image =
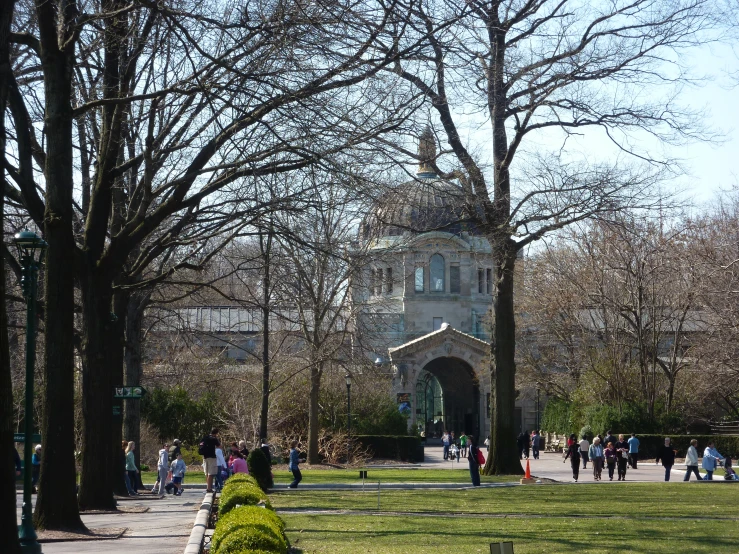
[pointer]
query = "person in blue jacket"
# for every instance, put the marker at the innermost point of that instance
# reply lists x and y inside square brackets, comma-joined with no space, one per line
[711,459]
[293,465]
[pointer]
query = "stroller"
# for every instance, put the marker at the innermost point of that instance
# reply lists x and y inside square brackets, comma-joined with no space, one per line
[729,473]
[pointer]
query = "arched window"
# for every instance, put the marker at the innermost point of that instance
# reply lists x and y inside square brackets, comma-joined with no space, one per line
[419,279]
[436,273]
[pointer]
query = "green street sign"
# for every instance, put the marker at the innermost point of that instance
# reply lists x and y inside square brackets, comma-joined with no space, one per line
[129,393]
[21,437]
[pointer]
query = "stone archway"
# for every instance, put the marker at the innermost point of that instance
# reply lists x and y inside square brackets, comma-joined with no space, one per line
[455,360]
[457,407]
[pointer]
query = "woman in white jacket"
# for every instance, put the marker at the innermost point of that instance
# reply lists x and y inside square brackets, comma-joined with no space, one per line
[691,461]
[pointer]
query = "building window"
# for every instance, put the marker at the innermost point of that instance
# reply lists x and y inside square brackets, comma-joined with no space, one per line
[389,280]
[454,286]
[436,273]
[378,283]
[419,279]
[481,281]
[437,323]
[489,280]
[371,281]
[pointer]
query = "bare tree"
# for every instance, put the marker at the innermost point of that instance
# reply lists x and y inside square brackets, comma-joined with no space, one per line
[525,66]
[176,108]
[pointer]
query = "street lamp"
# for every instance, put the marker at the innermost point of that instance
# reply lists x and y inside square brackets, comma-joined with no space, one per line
[30,248]
[348,378]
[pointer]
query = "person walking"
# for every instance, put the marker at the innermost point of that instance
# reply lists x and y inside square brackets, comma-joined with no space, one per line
[243,450]
[487,444]
[574,454]
[520,439]
[445,444]
[18,465]
[222,474]
[267,452]
[711,459]
[474,458]
[126,478]
[207,449]
[162,471]
[535,444]
[526,444]
[610,454]
[667,454]
[131,468]
[463,445]
[35,466]
[174,450]
[293,465]
[178,469]
[584,446]
[691,461]
[622,457]
[633,451]
[595,453]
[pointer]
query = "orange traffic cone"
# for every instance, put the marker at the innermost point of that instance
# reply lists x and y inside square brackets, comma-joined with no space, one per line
[527,477]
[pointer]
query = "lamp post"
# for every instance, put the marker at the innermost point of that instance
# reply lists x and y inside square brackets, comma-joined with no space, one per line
[348,378]
[30,248]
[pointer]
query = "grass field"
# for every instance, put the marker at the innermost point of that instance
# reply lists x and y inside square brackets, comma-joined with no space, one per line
[635,517]
[342,476]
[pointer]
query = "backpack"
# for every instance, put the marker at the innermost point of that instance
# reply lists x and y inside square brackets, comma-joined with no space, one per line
[202,447]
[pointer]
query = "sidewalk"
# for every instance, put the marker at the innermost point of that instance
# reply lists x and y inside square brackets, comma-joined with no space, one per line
[165,526]
[550,466]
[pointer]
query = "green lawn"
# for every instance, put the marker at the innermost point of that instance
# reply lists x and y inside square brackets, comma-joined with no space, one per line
[629,517]
[342,476]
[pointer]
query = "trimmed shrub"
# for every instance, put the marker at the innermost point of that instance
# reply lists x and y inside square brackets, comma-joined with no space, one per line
[244,494]
[398,447]
[586,432]
[249,528]
[260,469]
[238,478]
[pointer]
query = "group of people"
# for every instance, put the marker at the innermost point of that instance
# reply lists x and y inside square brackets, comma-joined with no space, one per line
[610,452]
[454,448]
[528,443]
[215,465]
[616,454]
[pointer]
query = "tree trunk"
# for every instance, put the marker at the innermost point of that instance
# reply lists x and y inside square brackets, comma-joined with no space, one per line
[96,482]
[56,504]
[266,295]
[118,325]
[313,424]
[504,457]
[8,519]
[132,409]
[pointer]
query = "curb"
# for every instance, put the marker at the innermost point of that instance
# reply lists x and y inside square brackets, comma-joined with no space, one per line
[195,543]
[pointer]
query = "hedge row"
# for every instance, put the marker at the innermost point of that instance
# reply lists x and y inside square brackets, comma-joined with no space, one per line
[397,447]
[246,522]
[648,444]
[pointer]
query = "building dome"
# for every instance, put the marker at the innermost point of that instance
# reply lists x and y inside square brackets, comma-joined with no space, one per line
[424,204]
[419,206]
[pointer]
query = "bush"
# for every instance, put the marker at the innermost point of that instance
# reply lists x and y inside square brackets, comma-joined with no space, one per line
[557,417]
[586,432]
[260,469]
[399,447]
[176,414]
[241,493]
[248,529]
[239,478]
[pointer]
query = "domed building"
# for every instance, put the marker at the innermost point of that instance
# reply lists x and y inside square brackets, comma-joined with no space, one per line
[428,288]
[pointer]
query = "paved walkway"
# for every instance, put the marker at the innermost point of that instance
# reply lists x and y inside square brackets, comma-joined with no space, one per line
[550,466]
[164,528]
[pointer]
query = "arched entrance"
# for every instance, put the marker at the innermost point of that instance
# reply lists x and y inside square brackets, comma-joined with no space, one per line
[448,398]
